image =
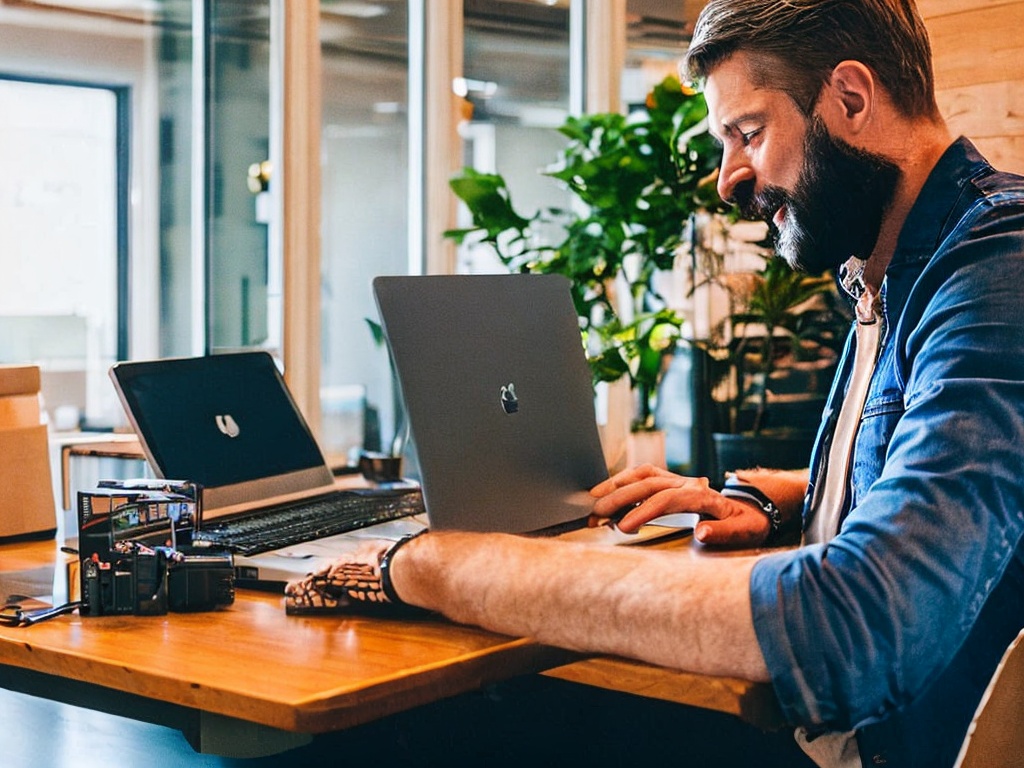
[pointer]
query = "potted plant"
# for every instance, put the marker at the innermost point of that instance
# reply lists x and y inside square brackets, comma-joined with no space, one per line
[769,364]
[638,179]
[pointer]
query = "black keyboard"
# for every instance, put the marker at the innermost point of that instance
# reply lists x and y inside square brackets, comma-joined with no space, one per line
[310,519]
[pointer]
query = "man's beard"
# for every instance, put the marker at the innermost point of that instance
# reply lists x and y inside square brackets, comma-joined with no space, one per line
[836,209]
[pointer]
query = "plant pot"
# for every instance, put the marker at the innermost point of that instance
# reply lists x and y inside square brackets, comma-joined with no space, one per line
[615,408]
[646,446]
[788,450]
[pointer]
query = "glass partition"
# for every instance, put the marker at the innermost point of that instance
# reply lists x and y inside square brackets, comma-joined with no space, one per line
[519,48]
[516,83]
[136,144]
[219,284]
[243,281]
[181,283]
[657,34]
[61,241]
[193,267]
[365,213]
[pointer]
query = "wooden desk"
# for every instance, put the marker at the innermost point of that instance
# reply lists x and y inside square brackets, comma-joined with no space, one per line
[250,680]
[210,673]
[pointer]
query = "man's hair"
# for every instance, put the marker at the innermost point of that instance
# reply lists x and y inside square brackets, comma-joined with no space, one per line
[794,45]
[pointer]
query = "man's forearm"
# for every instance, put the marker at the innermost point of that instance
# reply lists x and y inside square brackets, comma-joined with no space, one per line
[660,607]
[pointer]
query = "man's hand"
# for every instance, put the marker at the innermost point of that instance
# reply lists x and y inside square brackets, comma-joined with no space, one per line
[653,492]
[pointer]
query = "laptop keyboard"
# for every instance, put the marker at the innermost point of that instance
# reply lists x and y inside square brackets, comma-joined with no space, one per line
[311,519]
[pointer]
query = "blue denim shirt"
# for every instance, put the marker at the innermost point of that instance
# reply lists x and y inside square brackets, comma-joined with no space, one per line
[895,626]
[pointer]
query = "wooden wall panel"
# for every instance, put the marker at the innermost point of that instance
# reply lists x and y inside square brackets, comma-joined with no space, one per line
[985,110]
[931,8]
[979,73]
[981,46]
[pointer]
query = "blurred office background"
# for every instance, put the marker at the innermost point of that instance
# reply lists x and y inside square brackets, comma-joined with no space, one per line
[185,177]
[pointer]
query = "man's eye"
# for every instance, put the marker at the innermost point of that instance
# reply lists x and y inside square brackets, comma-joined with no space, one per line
[748,136]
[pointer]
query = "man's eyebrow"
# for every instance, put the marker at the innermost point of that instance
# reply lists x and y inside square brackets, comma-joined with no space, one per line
[731,126]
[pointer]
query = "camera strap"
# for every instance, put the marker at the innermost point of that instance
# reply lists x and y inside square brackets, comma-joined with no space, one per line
[15,615]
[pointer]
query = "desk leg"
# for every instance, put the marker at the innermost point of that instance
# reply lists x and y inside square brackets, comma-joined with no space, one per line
[215,734]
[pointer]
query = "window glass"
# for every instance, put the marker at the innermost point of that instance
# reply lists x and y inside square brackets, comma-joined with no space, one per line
[365,181]
[59,238]
[181,327]
[83,78]
[176,262]
[243,281]
[657,34]
[516,64]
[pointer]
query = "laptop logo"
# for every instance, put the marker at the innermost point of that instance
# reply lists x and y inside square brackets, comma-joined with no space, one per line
[227,425]
[509,401]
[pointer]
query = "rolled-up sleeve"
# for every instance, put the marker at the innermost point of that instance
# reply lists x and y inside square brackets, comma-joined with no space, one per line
[854,630]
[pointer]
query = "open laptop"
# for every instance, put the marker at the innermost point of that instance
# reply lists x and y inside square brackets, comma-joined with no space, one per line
[500,402]
[228,423]
[498,392]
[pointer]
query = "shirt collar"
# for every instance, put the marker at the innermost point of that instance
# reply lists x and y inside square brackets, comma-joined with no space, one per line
[926,223]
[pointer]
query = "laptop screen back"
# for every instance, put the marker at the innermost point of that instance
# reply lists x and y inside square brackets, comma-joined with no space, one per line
[219,420]
[499,397]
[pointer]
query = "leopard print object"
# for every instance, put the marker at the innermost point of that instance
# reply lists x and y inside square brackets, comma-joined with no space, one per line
[363,582]
[342,586]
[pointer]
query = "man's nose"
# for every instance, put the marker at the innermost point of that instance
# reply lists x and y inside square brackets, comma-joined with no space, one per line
[734,170]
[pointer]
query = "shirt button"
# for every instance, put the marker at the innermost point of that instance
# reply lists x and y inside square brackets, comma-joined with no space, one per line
[879,760]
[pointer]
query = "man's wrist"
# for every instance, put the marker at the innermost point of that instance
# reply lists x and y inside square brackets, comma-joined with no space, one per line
[756,497]
[385,564]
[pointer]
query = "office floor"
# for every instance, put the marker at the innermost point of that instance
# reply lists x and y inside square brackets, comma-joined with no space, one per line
[534,721]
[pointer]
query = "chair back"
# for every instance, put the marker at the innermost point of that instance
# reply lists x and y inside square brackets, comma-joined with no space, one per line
[996,734]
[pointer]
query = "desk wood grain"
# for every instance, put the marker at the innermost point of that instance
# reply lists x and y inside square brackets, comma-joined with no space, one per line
[753,702]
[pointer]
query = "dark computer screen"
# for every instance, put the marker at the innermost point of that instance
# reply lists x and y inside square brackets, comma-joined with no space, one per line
[217,420]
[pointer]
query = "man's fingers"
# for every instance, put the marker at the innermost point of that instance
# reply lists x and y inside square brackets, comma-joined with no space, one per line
[693,496]
[632,494]
[628,477]
[642,513]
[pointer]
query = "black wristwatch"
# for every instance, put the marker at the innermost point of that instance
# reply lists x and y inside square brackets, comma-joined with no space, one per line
[385,568]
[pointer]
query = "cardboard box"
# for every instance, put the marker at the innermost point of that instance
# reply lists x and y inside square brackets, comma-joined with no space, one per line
[27,508]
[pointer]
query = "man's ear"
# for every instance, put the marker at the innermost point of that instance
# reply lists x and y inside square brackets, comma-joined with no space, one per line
[852,91]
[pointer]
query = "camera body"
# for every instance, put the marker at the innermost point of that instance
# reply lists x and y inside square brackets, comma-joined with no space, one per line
[134,546]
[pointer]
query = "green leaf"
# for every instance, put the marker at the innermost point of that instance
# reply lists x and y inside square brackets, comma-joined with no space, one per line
[489,201]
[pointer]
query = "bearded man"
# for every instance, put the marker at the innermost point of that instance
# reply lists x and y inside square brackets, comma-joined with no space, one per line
[880,632]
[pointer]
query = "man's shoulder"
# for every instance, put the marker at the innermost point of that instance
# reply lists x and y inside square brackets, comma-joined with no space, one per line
[1001,189]
[991,183]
